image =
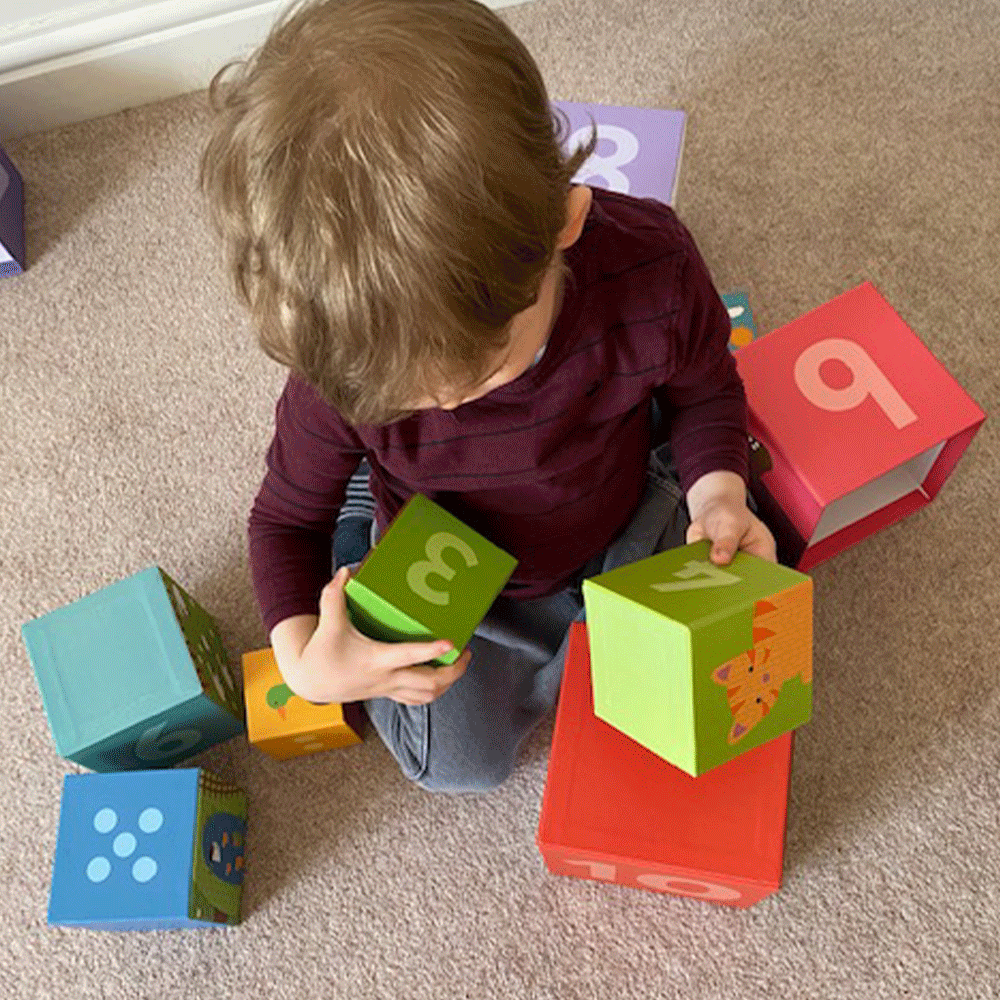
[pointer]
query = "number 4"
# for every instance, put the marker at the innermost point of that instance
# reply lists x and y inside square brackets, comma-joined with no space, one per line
[697,575]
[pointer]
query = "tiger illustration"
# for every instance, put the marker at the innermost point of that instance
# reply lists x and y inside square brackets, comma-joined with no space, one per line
[782,649]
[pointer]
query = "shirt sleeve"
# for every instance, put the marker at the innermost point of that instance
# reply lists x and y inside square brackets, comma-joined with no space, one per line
[704,398]
[311,458]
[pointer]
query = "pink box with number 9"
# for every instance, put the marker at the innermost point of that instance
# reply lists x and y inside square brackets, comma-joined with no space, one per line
[862,422]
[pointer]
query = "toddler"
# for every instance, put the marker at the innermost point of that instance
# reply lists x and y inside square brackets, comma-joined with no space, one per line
[546,361]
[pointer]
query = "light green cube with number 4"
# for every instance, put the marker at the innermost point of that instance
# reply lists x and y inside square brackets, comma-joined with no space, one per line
[429,577]
[697,662]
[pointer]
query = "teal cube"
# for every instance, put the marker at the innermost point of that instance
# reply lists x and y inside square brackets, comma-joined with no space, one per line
[697,662]
[148,850]
[134,676]
[429,577]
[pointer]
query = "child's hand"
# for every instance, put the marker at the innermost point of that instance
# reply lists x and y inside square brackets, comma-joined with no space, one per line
[347,666]
[717,504]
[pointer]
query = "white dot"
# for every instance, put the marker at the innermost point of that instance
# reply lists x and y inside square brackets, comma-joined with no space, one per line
[150,820]
[98,869]
[124,845]
[144,869]
[105,821]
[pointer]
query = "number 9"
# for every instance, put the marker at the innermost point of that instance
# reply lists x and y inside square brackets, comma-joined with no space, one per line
[867,379]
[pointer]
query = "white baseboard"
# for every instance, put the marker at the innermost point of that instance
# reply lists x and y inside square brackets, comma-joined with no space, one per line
[77,62]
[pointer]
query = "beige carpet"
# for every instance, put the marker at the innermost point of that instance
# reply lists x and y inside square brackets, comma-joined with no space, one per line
[829,143]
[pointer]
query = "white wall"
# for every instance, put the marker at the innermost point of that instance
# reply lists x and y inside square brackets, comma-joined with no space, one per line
[62,63]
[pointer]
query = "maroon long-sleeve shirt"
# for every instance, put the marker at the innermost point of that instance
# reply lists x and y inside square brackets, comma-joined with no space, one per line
[551,466]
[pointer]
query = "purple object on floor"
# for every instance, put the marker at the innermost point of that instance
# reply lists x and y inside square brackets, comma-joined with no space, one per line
[638,150]
[12,259]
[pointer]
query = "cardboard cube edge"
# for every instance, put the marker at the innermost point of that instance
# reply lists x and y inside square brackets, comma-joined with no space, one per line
[550,841]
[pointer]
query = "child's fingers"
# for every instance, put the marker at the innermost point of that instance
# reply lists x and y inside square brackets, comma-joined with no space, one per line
[761,545]
[695,532]
[331,597]
[422,685]
[725,539]
[723,549]
[400,655]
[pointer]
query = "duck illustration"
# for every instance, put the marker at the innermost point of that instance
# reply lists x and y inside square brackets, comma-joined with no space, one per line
[277,698]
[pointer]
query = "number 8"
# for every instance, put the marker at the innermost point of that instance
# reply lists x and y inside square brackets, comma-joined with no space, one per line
[606,167]
[416,575]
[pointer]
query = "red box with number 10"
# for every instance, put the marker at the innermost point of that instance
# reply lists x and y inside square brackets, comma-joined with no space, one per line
[862,422]
[614,811]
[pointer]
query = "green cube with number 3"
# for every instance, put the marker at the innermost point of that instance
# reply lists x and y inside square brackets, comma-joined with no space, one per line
[429,577]
[697,662]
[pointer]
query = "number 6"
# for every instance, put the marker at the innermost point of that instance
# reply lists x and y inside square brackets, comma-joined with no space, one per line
[156,746]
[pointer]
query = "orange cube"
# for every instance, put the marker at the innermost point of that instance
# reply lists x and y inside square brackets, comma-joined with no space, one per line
[616,812]
[284,725]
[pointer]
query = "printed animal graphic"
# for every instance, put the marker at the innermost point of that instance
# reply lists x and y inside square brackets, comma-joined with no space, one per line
[277,698]
[219,865]
[222,844]
[782,649]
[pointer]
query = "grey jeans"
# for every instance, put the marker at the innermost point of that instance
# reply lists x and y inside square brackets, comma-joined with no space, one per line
[468,739]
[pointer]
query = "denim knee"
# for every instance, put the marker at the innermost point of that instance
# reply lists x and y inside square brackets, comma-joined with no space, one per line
[485,776]
[405,731]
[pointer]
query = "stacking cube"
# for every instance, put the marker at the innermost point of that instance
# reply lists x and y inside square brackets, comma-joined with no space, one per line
[743,330]
[148,850]
[134,676]
[862,423]
[284,725]
[638,150]
[429,577]
[700,663]
[614,812]
[12,258]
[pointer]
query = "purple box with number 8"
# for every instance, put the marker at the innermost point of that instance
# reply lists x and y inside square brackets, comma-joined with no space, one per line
[638,150]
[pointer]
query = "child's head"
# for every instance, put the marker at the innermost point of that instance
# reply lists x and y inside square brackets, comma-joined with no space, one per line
[389,183]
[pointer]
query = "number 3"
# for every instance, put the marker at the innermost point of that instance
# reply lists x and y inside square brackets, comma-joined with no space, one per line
[416,575]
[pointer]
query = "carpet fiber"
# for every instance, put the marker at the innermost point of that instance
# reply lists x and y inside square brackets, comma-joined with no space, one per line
[829,143]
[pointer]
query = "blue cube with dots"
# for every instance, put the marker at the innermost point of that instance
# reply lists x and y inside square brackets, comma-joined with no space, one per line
[134,676]
[148,850]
